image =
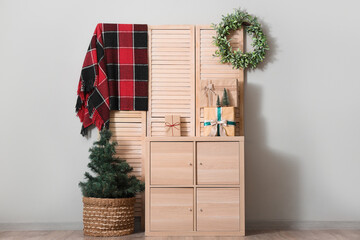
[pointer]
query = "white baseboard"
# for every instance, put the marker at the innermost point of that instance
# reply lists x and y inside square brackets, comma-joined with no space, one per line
[250,225]
[41,226]
[301,225]
[59,226]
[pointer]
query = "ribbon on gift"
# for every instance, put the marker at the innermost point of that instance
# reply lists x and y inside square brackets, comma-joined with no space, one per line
[172,125]
[218,126]
[209,90]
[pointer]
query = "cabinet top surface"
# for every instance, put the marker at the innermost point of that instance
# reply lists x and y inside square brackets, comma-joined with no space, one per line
[196,139]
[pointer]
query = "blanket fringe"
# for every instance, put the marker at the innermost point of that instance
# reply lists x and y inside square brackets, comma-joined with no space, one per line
[84,131]
[97,120]
[106,125]
[78,104]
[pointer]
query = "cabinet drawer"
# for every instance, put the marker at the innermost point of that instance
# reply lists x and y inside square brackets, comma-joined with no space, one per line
[171,209]
[218,162]
[172,163]
[218,209]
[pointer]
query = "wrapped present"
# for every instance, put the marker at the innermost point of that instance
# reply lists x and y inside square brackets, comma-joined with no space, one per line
[172,125]
[219,121]
[212,88]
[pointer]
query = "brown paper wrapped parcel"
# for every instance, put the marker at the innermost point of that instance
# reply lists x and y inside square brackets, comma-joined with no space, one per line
[172,125]
[219,121]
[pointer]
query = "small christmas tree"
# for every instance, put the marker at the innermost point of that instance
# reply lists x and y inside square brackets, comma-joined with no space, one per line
[112,179]
[218,103]
[225,99]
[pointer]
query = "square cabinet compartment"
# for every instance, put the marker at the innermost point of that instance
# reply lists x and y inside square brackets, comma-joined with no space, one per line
[171,209]
[218,162]
[171,163]
[218,209]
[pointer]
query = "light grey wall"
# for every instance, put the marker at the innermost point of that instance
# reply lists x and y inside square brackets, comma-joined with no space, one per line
[302,106]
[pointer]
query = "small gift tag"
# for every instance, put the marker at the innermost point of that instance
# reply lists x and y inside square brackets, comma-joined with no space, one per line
[172,125]
[219,121]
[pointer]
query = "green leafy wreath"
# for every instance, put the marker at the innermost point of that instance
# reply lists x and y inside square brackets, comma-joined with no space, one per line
[238,58]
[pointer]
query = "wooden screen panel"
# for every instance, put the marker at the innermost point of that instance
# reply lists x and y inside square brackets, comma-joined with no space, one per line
[129,131]
[209,67]
[171,77]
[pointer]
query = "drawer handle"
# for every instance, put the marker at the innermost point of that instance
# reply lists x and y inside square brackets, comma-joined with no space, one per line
[190,164]
[200,163]
[190,209]
[201,210]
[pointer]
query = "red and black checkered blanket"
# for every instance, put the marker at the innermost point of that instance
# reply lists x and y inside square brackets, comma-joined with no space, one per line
[114,75]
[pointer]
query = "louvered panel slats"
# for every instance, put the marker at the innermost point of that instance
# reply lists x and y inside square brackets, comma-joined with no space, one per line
[209,68]
[171,74]
[129,131]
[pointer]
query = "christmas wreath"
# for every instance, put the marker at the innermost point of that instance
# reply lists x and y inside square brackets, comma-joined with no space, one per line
[238,58]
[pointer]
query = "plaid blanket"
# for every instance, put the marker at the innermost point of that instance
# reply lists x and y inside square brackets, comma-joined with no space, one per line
[114,75]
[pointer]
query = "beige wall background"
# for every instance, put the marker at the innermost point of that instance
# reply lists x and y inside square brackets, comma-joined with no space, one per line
[302,106]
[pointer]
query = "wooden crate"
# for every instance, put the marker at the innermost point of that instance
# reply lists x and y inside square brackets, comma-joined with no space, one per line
[171,77]
[209,68]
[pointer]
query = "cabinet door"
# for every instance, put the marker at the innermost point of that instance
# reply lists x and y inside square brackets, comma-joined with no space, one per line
[218,209]
[171,209]
[218,162]
[172,163]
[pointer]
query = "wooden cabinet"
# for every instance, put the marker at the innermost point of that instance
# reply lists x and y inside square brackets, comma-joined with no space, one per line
[217,162]
[195,186]
[218,209]
[171,209]
[172,163]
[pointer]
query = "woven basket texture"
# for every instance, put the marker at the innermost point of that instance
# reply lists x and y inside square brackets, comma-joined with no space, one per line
[106,217]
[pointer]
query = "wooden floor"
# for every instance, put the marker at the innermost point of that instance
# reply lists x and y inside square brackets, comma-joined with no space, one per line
[265,235]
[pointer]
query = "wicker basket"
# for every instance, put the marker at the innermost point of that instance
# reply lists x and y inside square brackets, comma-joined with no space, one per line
[105,217]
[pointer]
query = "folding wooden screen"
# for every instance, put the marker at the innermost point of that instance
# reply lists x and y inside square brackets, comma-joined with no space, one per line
[129,131]
[209,67]
[179,60]
[171,76]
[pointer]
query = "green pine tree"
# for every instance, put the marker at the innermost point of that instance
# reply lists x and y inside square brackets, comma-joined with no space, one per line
[225,99]
[112,179]
[218,103]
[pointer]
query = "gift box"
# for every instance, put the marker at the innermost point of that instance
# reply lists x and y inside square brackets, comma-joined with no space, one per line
[172,125]
[219,121]
[212,88]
